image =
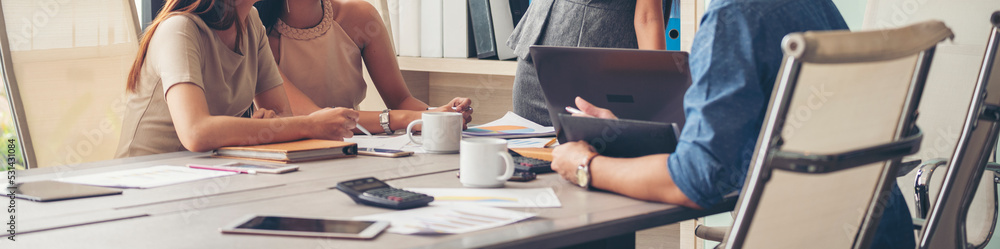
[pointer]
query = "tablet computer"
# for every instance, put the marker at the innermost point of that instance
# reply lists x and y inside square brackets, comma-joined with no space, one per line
[621,137]
[635,84]
[43,191]
[306,227]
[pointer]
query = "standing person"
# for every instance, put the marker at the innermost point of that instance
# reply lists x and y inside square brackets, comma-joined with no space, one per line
[200,65]
[320,46]
[578,23]
[734,64]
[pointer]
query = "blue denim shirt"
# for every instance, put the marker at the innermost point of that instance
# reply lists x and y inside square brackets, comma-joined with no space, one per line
[734,64]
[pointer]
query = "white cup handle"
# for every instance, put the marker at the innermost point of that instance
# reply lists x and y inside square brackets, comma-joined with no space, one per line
[409,131]
[507,174]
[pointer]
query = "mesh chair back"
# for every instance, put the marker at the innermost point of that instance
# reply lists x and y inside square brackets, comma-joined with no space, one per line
[843,105]
[946,222]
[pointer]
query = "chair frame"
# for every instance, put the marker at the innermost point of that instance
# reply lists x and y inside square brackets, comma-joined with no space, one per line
[14,95]
[945,225]
[769,156]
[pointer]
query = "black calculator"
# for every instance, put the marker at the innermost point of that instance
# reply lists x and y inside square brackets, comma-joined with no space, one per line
[372,192]
[532,165]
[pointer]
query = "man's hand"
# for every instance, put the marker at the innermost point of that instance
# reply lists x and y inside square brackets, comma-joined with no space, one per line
[568,157]
[459,105]
[333,123]
[589,110]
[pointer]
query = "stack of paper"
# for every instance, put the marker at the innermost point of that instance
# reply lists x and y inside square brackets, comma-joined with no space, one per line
[149,177]
[529,143]
[510,126]
[447,219]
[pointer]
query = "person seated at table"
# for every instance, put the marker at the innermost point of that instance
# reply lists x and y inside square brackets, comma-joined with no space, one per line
[734,63]
[200,65]
[320,46]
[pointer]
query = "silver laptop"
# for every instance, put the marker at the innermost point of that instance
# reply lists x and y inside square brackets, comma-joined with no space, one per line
[634,84]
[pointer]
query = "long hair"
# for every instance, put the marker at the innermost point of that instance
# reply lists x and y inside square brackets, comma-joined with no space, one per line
[269,12]
[217,14]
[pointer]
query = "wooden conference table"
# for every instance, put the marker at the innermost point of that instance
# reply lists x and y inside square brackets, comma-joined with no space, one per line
[189,215]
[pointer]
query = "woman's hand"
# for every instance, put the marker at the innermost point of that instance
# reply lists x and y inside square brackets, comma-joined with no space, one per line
[262,113]
[332,123]
[459,105]
[566,158]
[590,110]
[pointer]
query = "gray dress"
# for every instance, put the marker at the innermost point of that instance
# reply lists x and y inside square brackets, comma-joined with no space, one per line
[571,23]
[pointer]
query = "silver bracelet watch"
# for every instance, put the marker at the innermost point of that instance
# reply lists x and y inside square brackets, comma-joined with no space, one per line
[383,119]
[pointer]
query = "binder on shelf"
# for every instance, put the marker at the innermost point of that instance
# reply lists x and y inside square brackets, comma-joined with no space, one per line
[409,28]
[673,31]
[431,26]
[517,9]
[482,29]
[456,29]
[393,6]
[503,26]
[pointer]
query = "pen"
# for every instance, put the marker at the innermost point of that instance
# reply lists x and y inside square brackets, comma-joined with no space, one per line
[550,143]
[195,166]
[572,110]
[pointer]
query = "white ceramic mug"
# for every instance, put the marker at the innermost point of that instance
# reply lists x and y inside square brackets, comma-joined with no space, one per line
[440,132]
[485,163]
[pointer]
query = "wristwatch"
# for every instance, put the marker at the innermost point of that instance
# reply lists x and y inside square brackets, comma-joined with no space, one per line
[383,119]
[583,171]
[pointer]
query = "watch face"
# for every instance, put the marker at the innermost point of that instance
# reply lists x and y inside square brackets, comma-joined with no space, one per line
[582,177]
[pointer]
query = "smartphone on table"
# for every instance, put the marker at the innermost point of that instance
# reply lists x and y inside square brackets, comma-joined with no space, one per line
[383,152]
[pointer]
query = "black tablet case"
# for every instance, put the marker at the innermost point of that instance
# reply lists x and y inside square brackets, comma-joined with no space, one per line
[619,137]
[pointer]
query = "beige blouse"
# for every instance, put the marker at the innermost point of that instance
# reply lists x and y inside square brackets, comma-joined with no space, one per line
[184,49]
[323,62]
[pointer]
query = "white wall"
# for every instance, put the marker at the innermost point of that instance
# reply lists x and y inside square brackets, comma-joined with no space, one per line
[853,12]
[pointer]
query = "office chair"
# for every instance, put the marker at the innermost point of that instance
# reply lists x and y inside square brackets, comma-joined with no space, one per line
[841,118]
[64,67]
[947,224]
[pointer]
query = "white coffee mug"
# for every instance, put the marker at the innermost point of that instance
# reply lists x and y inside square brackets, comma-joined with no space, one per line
[485,163]
[440,132]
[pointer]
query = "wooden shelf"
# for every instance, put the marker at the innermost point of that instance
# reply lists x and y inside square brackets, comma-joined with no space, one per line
[456,65]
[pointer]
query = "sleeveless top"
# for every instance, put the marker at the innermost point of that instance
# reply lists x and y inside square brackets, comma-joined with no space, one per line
[323,62]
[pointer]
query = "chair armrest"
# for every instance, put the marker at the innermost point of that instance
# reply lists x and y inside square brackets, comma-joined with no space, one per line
[918,223]
[995,167]
[716,234]
[906,167]
[818,164]
[921,191]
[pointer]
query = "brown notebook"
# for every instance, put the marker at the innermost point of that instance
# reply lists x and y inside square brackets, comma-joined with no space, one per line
[291,152]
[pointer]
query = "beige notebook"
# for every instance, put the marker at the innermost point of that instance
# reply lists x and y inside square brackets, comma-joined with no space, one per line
[290,152]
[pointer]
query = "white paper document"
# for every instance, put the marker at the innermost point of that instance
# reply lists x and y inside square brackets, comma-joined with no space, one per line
[510,126]
[495,197]
[447,219]
[528,142]
[149,177]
